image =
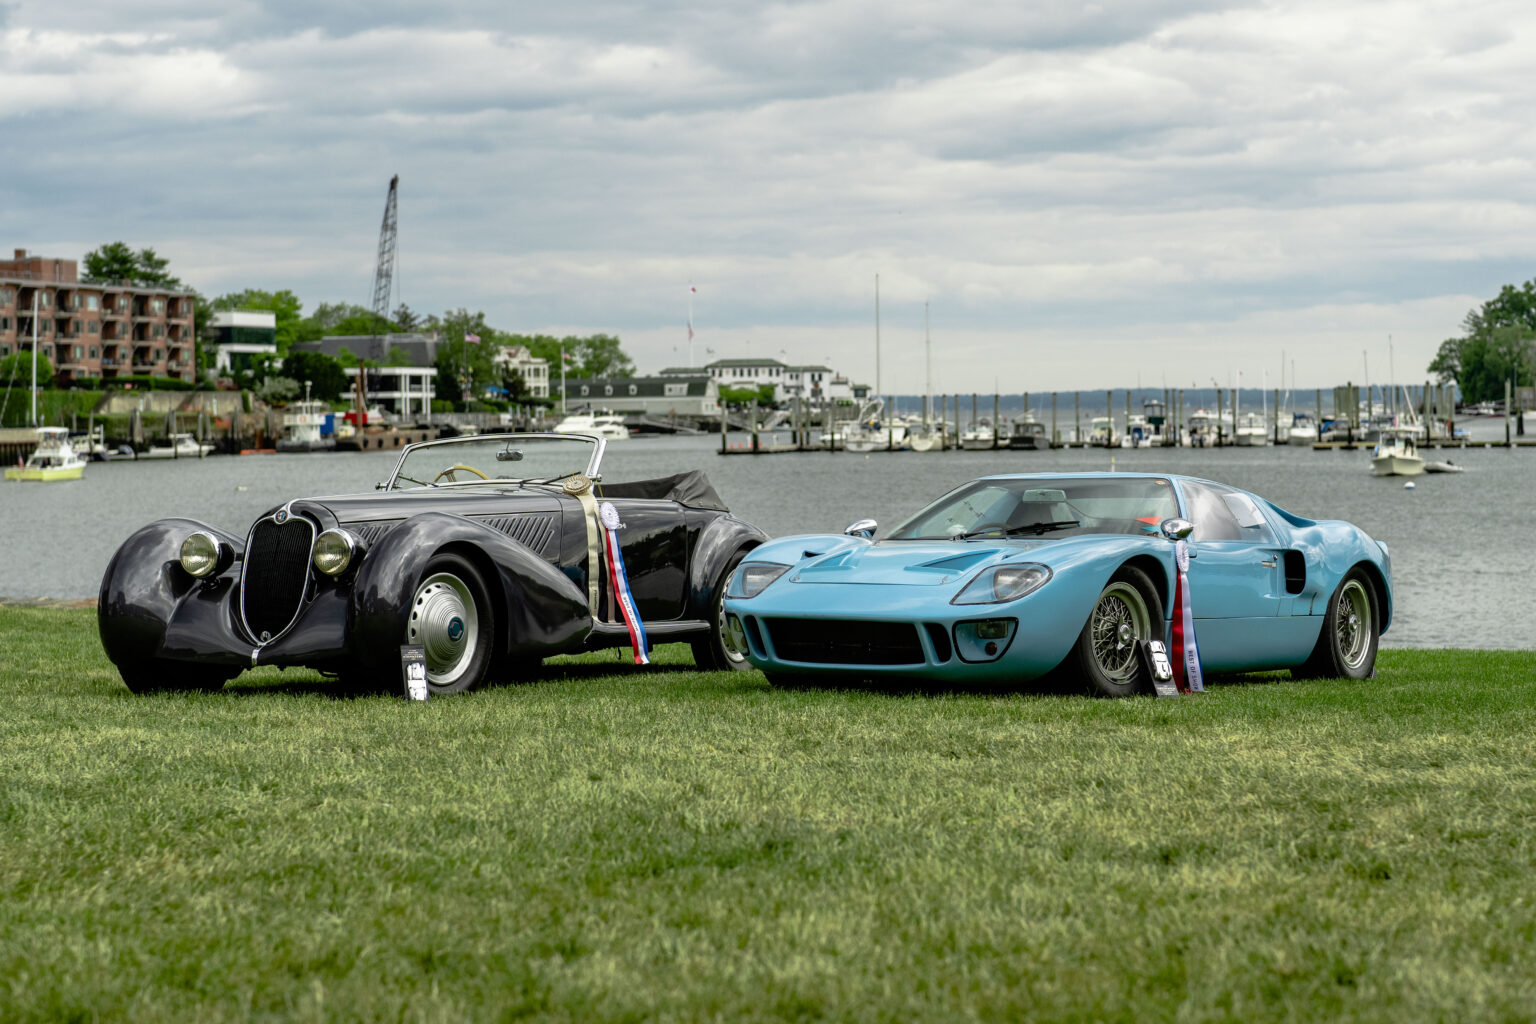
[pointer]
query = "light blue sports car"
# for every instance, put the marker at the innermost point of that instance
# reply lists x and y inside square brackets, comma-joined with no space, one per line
[1009,578]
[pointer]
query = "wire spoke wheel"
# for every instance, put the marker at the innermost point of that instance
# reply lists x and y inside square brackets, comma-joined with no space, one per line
[1119,622]
[445,622]
[1353,626]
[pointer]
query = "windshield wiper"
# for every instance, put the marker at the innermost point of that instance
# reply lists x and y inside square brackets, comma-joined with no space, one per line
[1016,531]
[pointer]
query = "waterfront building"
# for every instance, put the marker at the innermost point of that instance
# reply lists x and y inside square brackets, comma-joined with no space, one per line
[691,396]
[94,329]
[242,338]
[815,385]
[405,390]
[534,370]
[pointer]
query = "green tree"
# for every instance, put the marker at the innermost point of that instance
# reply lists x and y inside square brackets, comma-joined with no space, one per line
[16,370]
[324,375]
[117,261]
[598,355]
[1499,345]
[284,304]
[761,395]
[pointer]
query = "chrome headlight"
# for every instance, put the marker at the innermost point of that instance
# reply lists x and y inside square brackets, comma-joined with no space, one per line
[753,577]
[200,554]
[1003,583]
[333,552]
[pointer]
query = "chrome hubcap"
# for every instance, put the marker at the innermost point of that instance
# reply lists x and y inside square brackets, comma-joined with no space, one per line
[732,641]
[1353,633]
[1120,620]
[443,621]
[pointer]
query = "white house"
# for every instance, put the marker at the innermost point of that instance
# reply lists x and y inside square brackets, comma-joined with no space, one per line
[534,370]
[241,337]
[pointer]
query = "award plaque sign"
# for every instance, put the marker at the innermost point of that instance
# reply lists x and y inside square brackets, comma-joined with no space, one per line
[413,672]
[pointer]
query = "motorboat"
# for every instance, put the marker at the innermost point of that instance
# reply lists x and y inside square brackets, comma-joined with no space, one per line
[606,425]
[182,446]
[1397,453]
[1102,432]
[54,458]
[1251,431]
[1303,429]
[1202,429]
[1028,434]
[1138,433]
[872,431]
[979,436]
[303,428]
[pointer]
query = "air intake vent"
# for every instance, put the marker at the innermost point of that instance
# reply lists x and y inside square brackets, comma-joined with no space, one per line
[534,530]
[818,641]
[369,532]
[938,635]
[275,574]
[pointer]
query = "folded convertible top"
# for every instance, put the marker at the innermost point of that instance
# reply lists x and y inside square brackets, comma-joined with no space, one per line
[691,488]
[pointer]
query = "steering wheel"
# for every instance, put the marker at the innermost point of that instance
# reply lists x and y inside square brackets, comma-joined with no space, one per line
[451,470]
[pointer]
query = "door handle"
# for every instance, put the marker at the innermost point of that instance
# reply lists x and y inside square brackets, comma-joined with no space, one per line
[1268,564]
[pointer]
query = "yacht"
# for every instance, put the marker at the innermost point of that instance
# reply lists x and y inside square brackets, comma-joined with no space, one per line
[1202,429]
[1397,453]
[1138,433]
[1303,429]
[182,446]
[1102,434]
[606,425]
[1028,434]
[54,458]
[1251,431]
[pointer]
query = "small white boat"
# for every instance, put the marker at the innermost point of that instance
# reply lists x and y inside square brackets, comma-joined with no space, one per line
[1303,429]
[1138,434]
[1397,453]
[923,437]
[1102,432]
[1251,431]
[606,425]
[182,446]
[979,436]
[54,458]
[1028,434]
[1202,429]
[1443,467]
[872,431]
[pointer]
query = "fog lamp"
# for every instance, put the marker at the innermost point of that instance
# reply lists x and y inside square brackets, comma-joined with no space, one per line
[333,552]
[993,629]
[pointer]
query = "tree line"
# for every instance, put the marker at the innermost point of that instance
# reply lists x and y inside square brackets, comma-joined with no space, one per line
[465,370]
[1499,345]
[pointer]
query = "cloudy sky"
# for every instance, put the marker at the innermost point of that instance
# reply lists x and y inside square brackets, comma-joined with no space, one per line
[1088,195]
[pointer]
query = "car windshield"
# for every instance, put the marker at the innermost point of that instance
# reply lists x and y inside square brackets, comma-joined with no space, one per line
[1037,507]
[514,458]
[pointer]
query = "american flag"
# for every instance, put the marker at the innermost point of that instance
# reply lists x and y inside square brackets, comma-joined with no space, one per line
[473,339]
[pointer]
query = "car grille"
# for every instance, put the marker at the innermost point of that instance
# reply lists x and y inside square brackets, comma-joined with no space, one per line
[275,575]
[843,642]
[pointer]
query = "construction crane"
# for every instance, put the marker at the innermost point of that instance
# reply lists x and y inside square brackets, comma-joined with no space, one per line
[384,275]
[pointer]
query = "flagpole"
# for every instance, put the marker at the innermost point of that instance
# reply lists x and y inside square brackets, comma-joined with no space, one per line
[878,392]
[562,379]
[34,357]
[691,363]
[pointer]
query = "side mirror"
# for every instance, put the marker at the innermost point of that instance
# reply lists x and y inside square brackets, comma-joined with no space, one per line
[862,528]
[1177,529]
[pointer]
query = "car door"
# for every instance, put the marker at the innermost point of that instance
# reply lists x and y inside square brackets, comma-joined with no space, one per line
[1236,580]
[654,544]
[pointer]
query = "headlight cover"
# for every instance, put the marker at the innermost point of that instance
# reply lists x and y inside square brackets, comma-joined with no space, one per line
[333,552]
[200,554]
[1003,583]
[751,579]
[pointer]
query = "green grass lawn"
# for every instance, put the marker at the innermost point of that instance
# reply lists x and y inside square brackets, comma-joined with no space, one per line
[624,844]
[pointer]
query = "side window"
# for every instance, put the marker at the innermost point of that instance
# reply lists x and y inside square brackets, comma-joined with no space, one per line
[1222,514]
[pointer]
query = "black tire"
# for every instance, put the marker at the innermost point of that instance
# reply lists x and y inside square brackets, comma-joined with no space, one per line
[721,650]
[451,615]
[1105,659]
[159,676]
[1346,646]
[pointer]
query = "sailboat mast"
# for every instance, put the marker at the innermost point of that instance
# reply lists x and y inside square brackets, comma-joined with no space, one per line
[34,357]
[877,335]
[928,353]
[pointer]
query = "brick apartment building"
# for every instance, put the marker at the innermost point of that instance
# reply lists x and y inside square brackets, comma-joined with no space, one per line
[102,329]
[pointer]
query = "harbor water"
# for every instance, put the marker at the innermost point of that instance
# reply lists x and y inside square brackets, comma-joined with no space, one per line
[1459,542]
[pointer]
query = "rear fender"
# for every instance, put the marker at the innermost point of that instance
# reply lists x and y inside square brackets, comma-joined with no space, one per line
[539,610]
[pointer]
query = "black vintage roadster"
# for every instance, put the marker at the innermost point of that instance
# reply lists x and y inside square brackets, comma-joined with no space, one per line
[487,551]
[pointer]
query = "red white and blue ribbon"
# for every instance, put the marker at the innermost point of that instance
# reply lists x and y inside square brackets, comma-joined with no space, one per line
[619,583]
[1186,653]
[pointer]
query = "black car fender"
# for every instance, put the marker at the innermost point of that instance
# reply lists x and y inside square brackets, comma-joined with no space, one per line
[538,609]
[144,586]
[719,542]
